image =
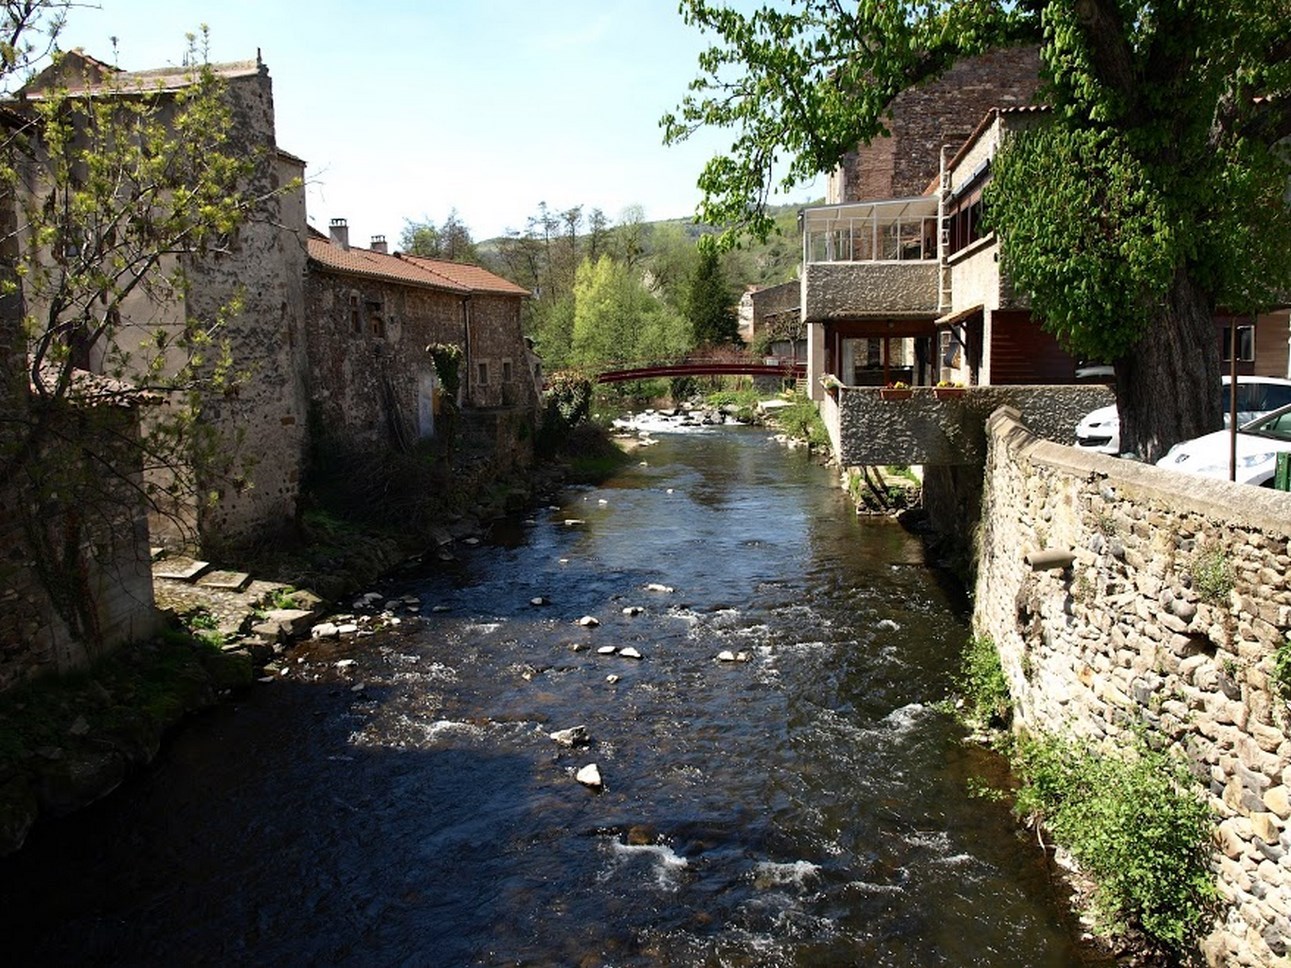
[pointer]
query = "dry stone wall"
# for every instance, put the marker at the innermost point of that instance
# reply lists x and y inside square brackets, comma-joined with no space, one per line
[1167,621]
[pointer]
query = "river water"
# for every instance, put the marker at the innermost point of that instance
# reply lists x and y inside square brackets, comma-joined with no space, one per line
[806,806]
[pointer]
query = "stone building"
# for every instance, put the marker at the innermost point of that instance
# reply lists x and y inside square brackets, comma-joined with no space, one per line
[924,119]
[370,317]
[260,266]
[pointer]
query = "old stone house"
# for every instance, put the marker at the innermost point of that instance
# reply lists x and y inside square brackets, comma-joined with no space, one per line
[371,316]
[260,267]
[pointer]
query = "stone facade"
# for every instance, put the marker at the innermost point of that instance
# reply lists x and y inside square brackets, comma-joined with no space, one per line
[371,317]
[1167,621]
[929,116]
[925,429]
[846,290]
[262,426]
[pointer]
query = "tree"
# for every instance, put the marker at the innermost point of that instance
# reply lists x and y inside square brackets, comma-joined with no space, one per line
[1154,194]
[451,241]
[709,304]
[617,321]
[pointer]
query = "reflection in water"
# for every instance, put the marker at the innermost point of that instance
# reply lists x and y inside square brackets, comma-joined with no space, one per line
[803,807]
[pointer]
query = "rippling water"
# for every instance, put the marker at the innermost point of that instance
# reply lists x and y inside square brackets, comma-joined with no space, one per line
[804,807]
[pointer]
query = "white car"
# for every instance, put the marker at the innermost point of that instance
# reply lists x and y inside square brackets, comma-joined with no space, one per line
[1258,445]
[1100,430]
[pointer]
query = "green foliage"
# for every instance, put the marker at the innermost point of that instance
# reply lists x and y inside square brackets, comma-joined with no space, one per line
[617,321]
[1135,820]
[450,241]
[709,305]
[1094,250]
[447,358]
[568,397]
[988,703]
[1282,668]
[801,419]
[1212,575]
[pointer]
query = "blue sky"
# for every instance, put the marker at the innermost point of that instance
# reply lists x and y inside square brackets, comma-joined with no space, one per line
[407,109]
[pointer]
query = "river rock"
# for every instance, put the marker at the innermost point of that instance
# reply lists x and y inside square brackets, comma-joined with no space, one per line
[656,587]
[589,776]
[539,600]
[589,621]
[574,522]
[574,736]
[324,630]
[887,625]
[349,628]
[606,650]
[726,655]
[612,679]
[633,610]
[629,653]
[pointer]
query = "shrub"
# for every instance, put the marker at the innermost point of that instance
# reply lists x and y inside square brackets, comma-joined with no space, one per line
[1212,575]
[1135,821]
[801,419]
[985,689]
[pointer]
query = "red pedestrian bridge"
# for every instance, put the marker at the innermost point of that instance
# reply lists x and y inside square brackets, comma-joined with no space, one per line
[788,369]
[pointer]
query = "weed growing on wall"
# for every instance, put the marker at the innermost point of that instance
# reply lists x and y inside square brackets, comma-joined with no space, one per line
[1212,574]
[1136,822]
[802,420]
[987,703]
[1282,668]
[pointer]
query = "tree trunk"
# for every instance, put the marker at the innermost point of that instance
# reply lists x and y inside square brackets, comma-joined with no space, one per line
[1168,388]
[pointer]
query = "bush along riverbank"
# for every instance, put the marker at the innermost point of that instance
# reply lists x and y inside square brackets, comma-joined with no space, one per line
[1126,828]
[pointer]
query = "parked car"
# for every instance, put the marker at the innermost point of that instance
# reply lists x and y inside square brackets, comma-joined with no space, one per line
[1100,430]
[1258,445]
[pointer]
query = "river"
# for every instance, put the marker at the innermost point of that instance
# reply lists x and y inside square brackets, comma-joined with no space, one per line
[397,800]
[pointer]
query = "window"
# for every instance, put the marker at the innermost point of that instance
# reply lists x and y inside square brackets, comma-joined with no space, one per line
[506,371]
[356,320]
[1245,344]
[376,321]
[482,374]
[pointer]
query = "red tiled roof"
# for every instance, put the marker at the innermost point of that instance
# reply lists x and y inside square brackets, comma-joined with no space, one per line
[378,265]
[472,277]
[408,269]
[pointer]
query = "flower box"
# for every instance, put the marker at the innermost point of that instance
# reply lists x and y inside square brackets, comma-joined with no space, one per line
[948,393]
[896,393]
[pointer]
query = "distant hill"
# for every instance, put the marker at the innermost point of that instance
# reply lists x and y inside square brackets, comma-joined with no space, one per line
[763,264]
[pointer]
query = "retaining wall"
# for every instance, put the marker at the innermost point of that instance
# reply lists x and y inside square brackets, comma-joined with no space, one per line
[1133,636]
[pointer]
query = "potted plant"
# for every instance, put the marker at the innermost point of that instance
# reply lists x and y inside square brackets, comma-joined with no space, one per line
[831,383]
[946,390]
[896,391]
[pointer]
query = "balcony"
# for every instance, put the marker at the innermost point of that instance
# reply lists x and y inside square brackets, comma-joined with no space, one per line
[870,259]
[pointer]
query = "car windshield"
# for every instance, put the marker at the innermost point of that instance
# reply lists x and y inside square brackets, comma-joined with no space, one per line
[1276,427]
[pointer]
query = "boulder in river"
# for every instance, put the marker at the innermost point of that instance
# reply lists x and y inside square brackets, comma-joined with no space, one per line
[574,736]
[656,587]
[629,653]
[589,621]
[590,777]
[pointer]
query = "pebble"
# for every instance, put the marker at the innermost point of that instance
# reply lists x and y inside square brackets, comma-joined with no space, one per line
[629,653]
[612,679]
[538,600]
[344,663]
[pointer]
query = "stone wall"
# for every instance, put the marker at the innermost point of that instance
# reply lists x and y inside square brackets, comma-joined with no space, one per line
[86,475]
[367,387]
[841,290]
[926,430]
[264,424]
[1140,634]
[944,111]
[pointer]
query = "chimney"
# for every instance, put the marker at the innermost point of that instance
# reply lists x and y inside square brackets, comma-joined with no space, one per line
[340,231]
[379,244]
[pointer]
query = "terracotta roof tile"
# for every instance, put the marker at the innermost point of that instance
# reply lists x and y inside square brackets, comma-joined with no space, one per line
[378,265]
[409,269]
[472,277]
